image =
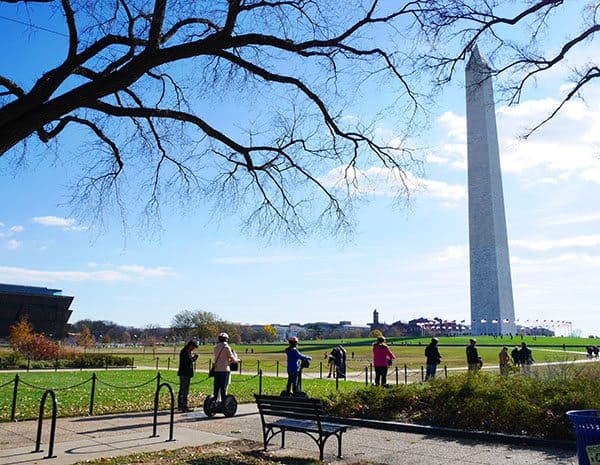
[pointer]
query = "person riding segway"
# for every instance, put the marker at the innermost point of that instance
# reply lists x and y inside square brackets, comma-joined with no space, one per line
[225,360]
[296,361]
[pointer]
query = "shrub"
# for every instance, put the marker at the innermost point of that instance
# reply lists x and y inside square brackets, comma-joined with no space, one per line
[484,402]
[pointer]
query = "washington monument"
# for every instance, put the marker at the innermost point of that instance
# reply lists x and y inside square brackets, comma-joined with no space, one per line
[492,308]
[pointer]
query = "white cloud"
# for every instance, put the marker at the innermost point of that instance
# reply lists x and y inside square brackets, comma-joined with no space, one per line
[564,148]
[387,182]
[17,229]
[1,224]
[567,219]
[13,244]
[122,274]
[592,240]
[68,224]
[450,253]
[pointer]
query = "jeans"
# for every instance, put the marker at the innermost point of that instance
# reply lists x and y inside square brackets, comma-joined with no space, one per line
[430,371]
[184,390]
[220,384]
[292,382]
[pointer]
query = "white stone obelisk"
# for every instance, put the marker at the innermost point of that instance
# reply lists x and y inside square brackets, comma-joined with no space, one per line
[492,308]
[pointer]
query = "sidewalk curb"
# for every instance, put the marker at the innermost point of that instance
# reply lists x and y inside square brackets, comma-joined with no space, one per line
[458,433]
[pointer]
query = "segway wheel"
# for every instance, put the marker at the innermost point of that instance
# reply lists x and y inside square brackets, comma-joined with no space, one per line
[301,395]
[210,406]
[284,393]
[230,406]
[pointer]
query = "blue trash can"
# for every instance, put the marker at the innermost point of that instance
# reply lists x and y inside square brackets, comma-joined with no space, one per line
[586,424]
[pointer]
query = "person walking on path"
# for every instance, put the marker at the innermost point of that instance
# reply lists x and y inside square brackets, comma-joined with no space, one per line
[433,357]
[382,359]
[224,356]
[474,362]
[294,358]
[526,359]
[504,361]
[185,373]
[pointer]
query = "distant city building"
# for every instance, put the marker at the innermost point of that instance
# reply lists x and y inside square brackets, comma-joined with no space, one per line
[46,309]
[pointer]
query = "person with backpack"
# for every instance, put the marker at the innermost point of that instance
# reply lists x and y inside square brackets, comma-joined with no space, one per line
[294,358]
[526,359]
[433,358]
[382,359]
[474,361]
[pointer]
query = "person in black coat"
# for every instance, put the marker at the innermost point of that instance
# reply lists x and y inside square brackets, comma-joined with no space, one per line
[432,354]
[473,359]
[185,373]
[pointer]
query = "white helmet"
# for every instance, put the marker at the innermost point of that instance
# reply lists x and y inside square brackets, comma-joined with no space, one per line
[224,335]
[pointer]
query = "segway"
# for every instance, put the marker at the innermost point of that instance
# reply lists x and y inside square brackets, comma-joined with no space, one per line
[227,407]
[299,393]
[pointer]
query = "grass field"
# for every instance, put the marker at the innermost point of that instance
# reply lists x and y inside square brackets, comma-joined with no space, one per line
[408,350]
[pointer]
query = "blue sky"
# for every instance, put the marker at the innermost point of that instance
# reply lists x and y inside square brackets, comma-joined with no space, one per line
[405,262]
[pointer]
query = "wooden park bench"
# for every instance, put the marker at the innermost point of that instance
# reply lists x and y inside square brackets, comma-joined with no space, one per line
[281,414]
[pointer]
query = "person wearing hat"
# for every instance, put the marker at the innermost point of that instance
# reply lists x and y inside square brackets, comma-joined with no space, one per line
[432,354]
[473,359]
[224,355]
[185,373]
[294,357]
[382,359]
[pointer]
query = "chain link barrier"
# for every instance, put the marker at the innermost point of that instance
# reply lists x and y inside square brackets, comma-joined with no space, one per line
[137,386]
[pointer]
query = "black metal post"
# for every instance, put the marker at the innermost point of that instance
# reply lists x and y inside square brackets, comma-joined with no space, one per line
[260,373]
[422,373]
[320,370]
[446,370]
[172,418]
[277,368]
[258,367]
[405,374]
[337,383]
[52,425]
[168,363]
[396,375]
[366,376]
[14,401]
[240,367]
[156,363]
[92,394]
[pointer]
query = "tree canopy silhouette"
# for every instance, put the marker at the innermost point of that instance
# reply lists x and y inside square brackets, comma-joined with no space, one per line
[271,107]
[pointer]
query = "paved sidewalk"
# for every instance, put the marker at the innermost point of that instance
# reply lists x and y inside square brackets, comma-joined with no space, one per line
[85,438]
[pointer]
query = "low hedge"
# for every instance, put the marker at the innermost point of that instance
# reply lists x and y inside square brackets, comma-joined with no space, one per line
[74,360]
[534,406]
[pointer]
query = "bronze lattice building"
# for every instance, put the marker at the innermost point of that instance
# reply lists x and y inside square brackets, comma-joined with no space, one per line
[46,309]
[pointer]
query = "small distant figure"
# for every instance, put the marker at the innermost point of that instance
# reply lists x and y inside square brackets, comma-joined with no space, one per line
[293,365]
[504,361]
[340,362]
[331,357]
[516,356]
[382,359]
[433,357]
[590,351]
[474,361]
[526,359]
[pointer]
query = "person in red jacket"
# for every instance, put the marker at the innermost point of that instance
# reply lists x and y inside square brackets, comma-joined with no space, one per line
[382,358]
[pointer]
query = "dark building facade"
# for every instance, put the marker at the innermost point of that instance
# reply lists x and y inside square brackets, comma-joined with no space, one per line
[46,309]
